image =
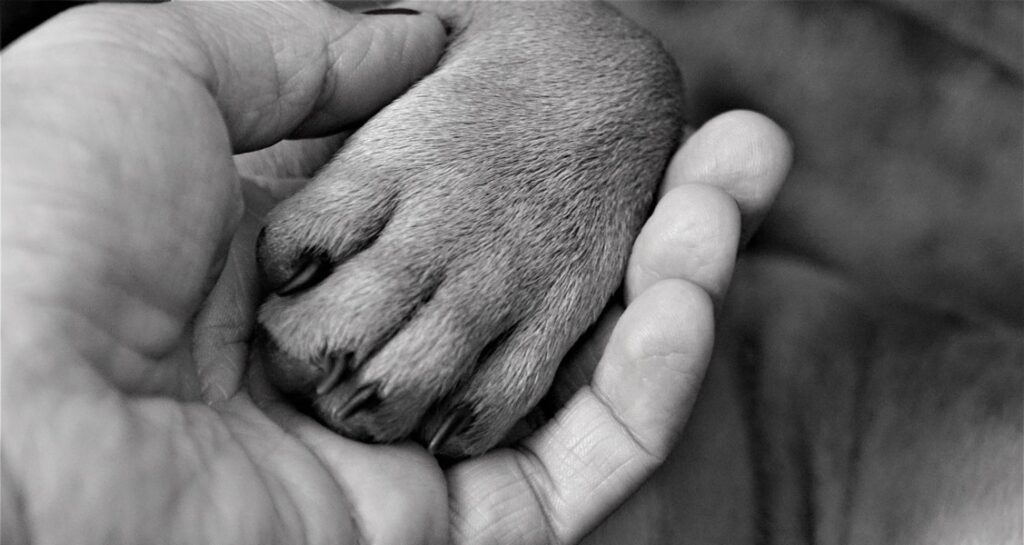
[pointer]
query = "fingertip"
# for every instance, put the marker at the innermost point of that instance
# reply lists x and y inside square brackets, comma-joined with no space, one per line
[411,45]
[744,153]
[739,143]
[692,235]
[673,317]
[655,362]
[373,63]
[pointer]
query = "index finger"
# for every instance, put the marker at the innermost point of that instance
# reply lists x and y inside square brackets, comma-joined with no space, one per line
[740,152]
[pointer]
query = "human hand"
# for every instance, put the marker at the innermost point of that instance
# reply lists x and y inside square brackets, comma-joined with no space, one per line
[626,389]
[109,386]
[560,482]
[120,200]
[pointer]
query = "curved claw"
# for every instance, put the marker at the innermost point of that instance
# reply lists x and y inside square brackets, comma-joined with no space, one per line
[310,272]
[336,367]
[458,420]
[364,398]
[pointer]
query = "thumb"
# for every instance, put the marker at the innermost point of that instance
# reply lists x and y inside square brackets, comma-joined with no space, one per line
[275,69]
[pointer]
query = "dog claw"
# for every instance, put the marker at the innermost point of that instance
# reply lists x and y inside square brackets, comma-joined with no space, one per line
[364,398]
[336,367]
[311,271]
[455,422]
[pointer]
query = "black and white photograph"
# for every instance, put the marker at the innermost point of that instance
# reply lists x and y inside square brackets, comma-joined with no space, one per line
[512,272]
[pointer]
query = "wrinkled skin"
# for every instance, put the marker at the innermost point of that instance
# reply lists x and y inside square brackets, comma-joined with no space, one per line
[129,288]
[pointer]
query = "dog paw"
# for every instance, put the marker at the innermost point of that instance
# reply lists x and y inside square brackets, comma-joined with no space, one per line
[428,282]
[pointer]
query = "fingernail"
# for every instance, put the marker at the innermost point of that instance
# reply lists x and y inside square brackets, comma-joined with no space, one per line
[391,11]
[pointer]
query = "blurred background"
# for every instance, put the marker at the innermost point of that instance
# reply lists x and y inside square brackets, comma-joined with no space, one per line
[906,120]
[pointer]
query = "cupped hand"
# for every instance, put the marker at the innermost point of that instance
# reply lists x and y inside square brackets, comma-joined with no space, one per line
[121,198]
[626,389]
[130,290]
